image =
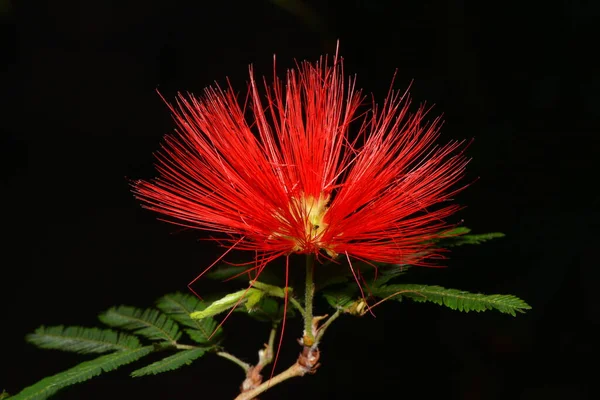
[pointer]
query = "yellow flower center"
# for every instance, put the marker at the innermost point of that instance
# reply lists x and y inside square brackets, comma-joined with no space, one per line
[312,211]
[309,211]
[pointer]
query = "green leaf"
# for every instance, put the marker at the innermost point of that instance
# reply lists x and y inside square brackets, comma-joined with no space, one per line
[4,395]
[229,301]
[81,373]
[253,299]
[271,290]
[461,230]
[170,363]
[343,297]
[459,236]
[204,338]
[454,299]
[270,310]
[150,323]
[474,239]
[264,308]
[82,340]
[179,306]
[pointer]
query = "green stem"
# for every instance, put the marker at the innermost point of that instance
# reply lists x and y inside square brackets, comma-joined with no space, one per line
[266,357]
[309,337]
[185,347]
[296,304]
[323,327]
[271,342]
[245,366]
[276,291]
[310,341]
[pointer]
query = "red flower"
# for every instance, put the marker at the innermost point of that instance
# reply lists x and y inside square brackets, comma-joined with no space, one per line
[286,173]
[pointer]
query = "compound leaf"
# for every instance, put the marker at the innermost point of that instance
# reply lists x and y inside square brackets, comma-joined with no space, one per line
[149,322]
[81,373]
[82,340]
[170,363]
[454,298]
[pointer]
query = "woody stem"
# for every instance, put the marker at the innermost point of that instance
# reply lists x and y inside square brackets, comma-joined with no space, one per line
[309,337]
[291,372]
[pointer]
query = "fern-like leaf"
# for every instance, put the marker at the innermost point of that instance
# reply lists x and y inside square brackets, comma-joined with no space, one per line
[474,239]
[341,298]
[179,306]
[170,363]
[454,299]
[82,340]
[80,373]
[459,237]
[149,322]
[461,230]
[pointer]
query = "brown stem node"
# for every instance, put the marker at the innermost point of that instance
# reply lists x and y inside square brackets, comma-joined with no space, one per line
[309,359]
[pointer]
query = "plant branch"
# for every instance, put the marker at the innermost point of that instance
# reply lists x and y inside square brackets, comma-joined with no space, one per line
[309,337]
[185,347]
[276,291]
[297,304]
[271,343]
[322,328]
[291,372]
[245,366]
[265,357]
[308,361]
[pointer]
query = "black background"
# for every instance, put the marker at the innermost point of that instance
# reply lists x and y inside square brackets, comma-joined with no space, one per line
[81,117]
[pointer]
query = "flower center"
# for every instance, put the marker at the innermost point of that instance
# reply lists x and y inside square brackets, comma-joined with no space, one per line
[309,214]
[312,211]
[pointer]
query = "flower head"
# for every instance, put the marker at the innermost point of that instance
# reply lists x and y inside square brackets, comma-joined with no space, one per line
[286,172]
